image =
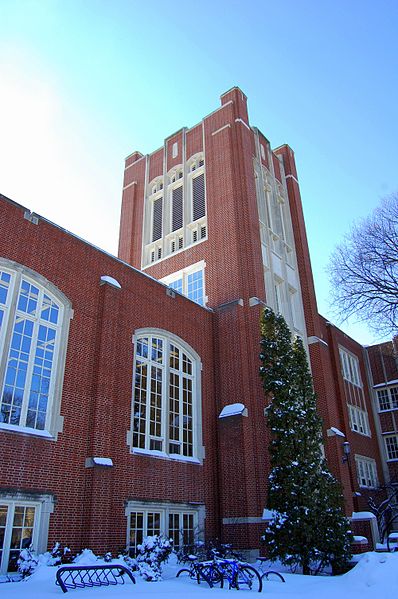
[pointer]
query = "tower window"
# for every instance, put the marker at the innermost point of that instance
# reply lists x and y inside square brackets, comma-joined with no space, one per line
[157,219]
[198,197]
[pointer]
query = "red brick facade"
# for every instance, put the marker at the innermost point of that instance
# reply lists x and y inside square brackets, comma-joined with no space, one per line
[229,482]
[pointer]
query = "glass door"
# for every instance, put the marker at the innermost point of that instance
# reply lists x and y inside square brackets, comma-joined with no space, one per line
[17,530]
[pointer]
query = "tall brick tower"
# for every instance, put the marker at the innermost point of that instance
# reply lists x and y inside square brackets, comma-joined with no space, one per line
[217,216]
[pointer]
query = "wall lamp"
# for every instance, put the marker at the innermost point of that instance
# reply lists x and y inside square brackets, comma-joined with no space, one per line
[346,452]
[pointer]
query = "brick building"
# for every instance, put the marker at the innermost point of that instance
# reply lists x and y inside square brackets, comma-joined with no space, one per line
[130,397]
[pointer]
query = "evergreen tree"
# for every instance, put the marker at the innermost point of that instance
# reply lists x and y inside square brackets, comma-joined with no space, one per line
[308,524]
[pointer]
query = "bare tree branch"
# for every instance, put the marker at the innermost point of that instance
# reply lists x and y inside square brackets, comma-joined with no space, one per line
[364,270]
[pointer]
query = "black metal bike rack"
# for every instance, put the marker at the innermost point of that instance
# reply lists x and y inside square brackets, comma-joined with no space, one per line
[78,577]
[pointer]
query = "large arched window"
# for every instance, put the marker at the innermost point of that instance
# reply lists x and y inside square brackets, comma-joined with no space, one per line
[166,396]
[34,318]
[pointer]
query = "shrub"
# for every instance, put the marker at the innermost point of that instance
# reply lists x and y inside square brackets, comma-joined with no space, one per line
[27,562]
[151,555]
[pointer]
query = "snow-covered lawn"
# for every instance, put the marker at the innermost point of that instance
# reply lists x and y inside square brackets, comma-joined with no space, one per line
[374,577]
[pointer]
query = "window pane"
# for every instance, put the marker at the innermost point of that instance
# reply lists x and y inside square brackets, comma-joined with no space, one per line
[136,531]
[177,285]
[394,397]
[17,365]
[392,447]
[187,448]
[40,387]
[21,534]
[5,279]
[140,394]
[153,523]
[155,423]
[174,529]
[195,287]
[384,401]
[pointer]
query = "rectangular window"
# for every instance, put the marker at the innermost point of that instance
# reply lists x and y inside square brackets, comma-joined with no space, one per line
[359,421]
[366,472]
[157,219]
[388,398]
[350,368]
[198,197]
[177,523]
[190,282]
[391,442]
[177,209]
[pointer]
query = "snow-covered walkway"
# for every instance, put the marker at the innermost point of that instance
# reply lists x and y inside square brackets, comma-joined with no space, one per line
[374,577]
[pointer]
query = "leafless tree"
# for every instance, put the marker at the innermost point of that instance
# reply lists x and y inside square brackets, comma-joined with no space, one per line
[384,505]
[364,270]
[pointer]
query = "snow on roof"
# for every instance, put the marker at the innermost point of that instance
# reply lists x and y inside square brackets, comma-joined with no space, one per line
[362,516]
[233,409]
[268,514]
[393,382]
[334,431]
[111,281]
[103,461]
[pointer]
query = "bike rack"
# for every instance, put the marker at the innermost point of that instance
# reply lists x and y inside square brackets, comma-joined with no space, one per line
[78,577]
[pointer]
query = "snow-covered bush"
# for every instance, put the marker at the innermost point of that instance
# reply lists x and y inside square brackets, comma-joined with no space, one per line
[151,555]
[59,554]
[27,562]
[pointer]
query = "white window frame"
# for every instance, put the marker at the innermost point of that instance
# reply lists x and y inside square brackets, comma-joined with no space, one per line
[350,369]
[393,437]
[165,509]
[53,421]
[359,420]
[197,447]
[391,401]
[366,472]
[44,507]
[183,274]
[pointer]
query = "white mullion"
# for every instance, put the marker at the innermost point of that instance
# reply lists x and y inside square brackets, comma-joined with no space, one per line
[54,366]
[180,404]
[148,394]
[165,411]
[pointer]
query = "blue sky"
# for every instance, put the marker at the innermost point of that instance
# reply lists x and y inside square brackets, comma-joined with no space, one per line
[84,83]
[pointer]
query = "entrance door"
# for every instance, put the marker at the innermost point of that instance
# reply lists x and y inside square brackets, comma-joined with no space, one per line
[17,532]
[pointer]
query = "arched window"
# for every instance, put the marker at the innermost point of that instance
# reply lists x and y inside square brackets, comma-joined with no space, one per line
[34,317]
[166,396]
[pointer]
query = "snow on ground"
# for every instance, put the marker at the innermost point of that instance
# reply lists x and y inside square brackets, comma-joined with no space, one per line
[375,575]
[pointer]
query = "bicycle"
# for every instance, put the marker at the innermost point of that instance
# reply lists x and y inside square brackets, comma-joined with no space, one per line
[269,575]
[240,575]
[203,571]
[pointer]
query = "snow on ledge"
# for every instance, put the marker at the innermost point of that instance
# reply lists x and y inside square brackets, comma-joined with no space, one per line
[333,431]
[394,382]
[362,516]
[97,461]
[106,279]
[268,514]
[233,409]
[360,540]
[16,428]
